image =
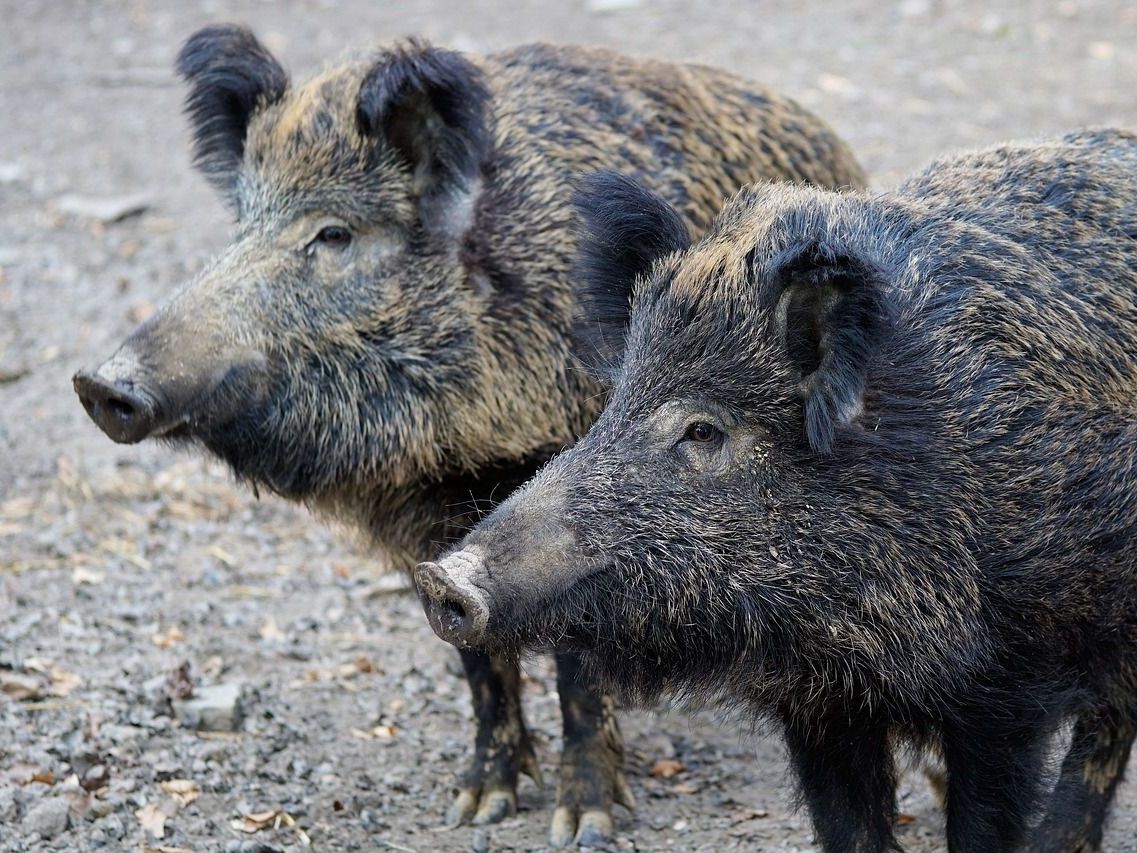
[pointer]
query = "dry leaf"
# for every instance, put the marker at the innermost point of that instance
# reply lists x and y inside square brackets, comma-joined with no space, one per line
[25,774]
[17,508]
[185,791]
[91,577]
[153,816]
[380,732]
[666,768]
[167,638]
[258,820]
[222,556]
[19,687]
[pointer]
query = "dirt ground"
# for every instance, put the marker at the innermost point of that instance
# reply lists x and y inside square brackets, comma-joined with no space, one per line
[120,564]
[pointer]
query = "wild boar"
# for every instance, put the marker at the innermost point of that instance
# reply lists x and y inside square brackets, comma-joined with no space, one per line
[869,469]
[388,336]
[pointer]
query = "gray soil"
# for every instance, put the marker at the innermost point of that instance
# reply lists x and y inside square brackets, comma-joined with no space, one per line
[119,565]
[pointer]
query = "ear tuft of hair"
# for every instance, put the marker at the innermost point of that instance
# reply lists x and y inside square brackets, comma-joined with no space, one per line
[837,314]
[230,75]
[432,107]
[624,229]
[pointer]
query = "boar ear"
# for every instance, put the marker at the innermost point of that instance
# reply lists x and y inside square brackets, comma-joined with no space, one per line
[230,75]
[624,228]
[431,106]
[834,312]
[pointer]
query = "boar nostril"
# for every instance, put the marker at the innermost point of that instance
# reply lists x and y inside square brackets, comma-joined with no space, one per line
[119,410]
[456,613]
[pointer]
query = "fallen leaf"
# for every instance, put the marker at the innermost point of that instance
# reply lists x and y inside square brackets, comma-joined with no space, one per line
[380,732]
[666,768]
[270,632]
[222,556]
[257,821]
[19,687]
[153,816]
[104,209]
[90,577]
[185,791]
[169,637]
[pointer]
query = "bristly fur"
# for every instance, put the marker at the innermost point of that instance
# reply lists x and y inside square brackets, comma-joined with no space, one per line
[432,106]
[946,557]
[230,75]
[624,229]
[837,314]
[387,338]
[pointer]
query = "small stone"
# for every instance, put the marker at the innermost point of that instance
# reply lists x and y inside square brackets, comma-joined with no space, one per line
[48,818]
[213,709]
[480,841]
[105,209]
[611,5]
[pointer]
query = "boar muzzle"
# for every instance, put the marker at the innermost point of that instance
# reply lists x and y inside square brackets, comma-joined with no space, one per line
[121,408]
[454,605]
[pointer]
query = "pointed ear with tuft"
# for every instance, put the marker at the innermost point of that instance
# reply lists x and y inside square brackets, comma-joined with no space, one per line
[230,75]
[624,229]
[431,106]
[833,311]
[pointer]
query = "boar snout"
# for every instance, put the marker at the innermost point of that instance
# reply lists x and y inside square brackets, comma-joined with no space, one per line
[455,606]
[117,402]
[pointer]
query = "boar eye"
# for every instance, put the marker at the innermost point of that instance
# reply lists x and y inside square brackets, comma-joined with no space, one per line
[702,432]
[335,236]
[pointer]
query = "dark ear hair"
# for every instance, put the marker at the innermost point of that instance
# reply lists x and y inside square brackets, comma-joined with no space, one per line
[835,313]
[431,106]
[624,228]
[230,75]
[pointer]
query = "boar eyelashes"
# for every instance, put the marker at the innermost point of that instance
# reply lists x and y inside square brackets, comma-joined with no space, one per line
[230,75]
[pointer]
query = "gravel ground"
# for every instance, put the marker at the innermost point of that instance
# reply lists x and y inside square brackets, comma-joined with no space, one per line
[129,576]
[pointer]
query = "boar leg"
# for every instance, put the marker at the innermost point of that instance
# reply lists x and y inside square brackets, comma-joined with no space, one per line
[502,748]
[994,770]
[847,778]
[1091,771]
[592,764]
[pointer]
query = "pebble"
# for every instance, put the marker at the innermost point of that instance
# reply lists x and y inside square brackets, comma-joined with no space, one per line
[48,817]
[213,709]
[106,209]
[480,841]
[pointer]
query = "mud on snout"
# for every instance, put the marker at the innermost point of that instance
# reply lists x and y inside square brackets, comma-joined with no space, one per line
[509,581]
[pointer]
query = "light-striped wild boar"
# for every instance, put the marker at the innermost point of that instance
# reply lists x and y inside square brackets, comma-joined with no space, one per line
[387,338]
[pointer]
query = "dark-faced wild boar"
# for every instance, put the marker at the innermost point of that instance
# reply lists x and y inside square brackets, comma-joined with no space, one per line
[869,469]
[387,337]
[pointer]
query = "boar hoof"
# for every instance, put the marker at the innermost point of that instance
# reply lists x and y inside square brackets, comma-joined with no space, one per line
[589,829]
[480,807]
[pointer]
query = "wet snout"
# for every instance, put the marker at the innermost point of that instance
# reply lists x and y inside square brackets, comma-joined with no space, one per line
[455,605]
[117,401]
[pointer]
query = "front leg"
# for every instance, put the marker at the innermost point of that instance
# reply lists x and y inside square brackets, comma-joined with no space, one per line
[502,748]
[592,763]
[994,769]
[844,767]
